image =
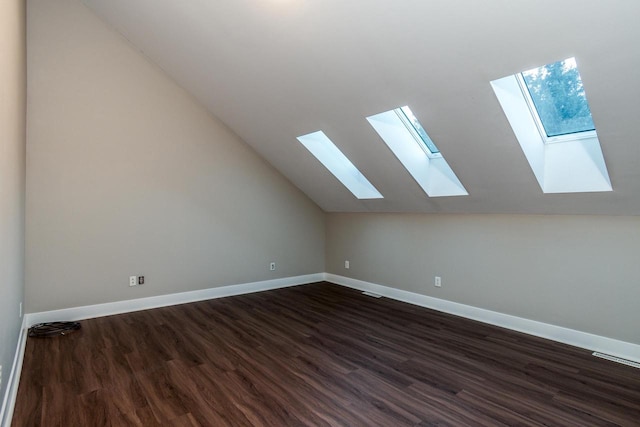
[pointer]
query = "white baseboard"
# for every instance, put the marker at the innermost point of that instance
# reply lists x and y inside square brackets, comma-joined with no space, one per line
[572,337]
[580,339]
[107,309]
[127,306]
[9,401]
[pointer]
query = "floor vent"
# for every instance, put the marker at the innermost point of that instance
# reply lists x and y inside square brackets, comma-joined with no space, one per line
[617,359]
[371,294]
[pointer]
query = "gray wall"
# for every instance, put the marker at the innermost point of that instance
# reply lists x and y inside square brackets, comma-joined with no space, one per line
[580,272]
[12,176]
[128,175]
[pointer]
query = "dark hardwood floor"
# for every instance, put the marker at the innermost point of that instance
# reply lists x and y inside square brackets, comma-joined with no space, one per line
[315,355]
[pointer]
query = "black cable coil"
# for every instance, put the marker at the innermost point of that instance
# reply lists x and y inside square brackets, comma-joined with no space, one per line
[52,329]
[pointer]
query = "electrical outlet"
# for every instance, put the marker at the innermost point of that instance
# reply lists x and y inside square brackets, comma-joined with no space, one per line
[140,280]
[438,282]
[346,265]
[133,281]
[272,266]
[20,311]
[0,376]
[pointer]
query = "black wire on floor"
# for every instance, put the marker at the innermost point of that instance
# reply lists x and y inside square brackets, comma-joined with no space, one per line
[52,329]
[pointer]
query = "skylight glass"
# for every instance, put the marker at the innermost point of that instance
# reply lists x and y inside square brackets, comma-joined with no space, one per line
[413,123]
[558,96]
[339,165]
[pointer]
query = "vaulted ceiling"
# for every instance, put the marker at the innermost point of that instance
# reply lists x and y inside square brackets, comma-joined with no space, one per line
[273,70]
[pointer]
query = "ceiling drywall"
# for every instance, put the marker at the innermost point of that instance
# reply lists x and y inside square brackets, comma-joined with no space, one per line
[273,70]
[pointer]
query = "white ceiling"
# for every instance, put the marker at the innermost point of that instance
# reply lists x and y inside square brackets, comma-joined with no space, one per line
[273,70]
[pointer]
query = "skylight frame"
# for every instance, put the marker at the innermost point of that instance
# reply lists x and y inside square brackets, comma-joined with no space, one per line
[339,165]
[400,111]
[574,136]
[430,170]
[575,166]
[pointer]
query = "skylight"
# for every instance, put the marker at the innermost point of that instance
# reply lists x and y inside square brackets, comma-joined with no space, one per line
[548,104]
[558,98]
[408,140]
[413,123]
[339,165]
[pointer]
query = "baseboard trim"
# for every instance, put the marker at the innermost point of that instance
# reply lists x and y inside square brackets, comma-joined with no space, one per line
[572,337]
[9,401]
[119,307]
[127,306]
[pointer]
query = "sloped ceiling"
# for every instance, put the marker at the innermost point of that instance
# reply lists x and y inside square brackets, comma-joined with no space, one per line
[276,69]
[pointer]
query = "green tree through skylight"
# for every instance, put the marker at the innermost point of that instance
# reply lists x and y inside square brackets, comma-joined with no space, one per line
[558,95]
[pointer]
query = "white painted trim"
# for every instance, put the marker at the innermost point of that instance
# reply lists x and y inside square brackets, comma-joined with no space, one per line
[127,306]
[107,309]
[585,340]
[572,337]
[9,401]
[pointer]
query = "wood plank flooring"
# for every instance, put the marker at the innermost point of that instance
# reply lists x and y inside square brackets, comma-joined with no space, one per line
[315,355]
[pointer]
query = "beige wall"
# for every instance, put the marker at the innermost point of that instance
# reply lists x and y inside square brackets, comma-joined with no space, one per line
[128,175]
[12,176]
[579,272]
